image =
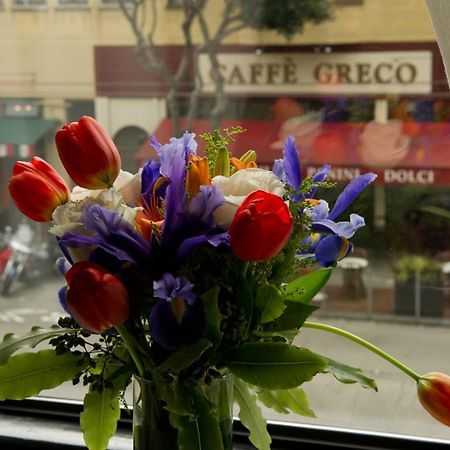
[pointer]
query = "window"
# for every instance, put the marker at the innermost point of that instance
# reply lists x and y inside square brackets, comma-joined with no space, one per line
[29,4]
[72,4]
[364,91]
[174,4]
[111,3]
[349,2]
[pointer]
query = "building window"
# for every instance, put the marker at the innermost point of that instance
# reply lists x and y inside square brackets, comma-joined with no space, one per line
[112,3]
[29,4]
[75,4]
[21,108]
[174,4]
[349,2]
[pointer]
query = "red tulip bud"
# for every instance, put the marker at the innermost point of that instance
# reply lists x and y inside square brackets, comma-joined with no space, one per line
[96,299]
[37,189]
[434,395]
[261,227]
[88,154]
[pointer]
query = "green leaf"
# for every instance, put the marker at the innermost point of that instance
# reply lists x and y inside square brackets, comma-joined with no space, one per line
[269,302]
[27,374]
[201,432]
[210,301]
[275,365]
[250,415]
[99,417]
[348,375]
[11,342]
[285,401]
[184,357]
[293,316]
[304,288]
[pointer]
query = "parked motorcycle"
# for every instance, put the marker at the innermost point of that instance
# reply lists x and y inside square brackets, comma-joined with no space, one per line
[28,258]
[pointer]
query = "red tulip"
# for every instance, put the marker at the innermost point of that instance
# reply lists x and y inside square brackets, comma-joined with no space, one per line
[96,299]
[261,227]
[37,189]
[434,395]
[88,154]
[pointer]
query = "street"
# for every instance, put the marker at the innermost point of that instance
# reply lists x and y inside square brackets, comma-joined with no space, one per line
[394,408]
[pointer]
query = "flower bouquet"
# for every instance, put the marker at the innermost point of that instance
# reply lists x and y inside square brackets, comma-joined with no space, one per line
[183,279]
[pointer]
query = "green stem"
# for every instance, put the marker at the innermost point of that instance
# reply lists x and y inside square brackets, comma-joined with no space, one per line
[245,269]
[364,343]
[132,346]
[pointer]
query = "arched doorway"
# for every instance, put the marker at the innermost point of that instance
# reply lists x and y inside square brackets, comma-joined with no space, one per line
[129,140]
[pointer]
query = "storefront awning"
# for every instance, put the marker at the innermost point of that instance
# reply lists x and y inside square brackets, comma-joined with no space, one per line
[399,152]
[18,136]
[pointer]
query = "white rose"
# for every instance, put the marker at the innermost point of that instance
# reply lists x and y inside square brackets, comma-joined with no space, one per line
[236,188]
[127,184]
[125,190]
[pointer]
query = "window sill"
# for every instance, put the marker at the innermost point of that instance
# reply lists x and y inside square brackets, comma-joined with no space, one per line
[54,425]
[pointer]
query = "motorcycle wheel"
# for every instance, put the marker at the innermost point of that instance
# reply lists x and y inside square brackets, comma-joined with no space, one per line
[8,280]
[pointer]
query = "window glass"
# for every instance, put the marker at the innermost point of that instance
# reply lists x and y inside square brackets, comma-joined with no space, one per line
[29,4]
[72,3]
[364,90]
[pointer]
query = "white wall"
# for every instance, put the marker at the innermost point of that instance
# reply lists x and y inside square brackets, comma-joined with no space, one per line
[117,113]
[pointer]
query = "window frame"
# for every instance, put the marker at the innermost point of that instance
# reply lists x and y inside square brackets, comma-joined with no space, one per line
[285,436]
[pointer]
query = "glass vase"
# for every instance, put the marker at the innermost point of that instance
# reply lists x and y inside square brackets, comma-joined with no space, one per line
[155,428]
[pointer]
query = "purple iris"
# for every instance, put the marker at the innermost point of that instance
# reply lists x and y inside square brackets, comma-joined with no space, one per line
[188,223]
[331,248]
[323,220]
[111,235]
[288,169]
[178,316]
[332,244]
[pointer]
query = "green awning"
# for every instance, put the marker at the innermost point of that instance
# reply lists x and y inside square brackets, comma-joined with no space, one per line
[19,130]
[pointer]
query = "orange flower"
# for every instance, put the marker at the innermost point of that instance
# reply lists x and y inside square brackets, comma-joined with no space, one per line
[239,165]
[197,174]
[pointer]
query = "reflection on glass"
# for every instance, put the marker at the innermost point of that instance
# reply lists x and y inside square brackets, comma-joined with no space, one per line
[364,90]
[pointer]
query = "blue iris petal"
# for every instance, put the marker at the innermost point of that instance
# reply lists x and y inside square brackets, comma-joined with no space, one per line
[150,173]
[63,300]
[174,157]
[171,334]
[170,287]
[200,210]
[319,211]
[349,194]
[113,235]
[278,169]
[171,331]
[343,229]
[291,163]
[318,177]
[330,249]
[63,265]
[191,243]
